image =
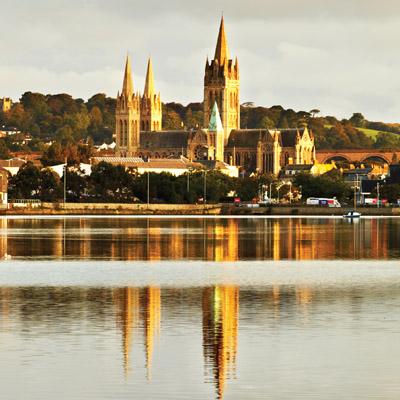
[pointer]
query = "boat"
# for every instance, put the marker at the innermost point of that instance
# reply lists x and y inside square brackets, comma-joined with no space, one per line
[352,214]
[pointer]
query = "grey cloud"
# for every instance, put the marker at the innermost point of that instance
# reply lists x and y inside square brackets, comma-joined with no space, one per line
[339,56]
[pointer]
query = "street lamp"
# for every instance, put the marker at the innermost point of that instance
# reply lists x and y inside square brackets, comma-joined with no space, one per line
[148,188]
[65,181]
[205,187]
[377,190]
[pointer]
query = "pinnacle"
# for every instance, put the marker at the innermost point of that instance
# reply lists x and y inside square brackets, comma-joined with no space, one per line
[149,85]
[221,51]
[127,87]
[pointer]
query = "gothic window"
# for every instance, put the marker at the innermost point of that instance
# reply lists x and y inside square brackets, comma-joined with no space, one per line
[125,133]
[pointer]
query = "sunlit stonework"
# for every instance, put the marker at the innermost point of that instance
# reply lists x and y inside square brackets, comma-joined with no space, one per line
[139,124]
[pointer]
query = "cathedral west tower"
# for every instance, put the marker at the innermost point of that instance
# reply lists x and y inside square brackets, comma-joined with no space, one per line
[150,108]
[127,117]
[222,85]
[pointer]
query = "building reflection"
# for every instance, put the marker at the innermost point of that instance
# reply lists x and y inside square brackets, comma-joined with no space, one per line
[152,318]
[136,308]
[211,239]
[220,333]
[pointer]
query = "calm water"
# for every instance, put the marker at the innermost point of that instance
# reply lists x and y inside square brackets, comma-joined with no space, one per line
[199,308]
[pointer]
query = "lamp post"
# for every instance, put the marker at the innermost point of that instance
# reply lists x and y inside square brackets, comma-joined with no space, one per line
[65,181]
[377,190]
[290,192]
[189,171]
[270,192]
[148,188]
[205,188]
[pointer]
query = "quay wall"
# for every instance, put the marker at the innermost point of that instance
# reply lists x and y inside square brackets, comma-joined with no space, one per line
[311,210]
[185,209]
[113,209]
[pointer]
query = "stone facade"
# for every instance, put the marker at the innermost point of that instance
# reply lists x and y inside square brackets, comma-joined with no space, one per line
[127,116]
[150,106]
[222,85]
[139,130]
[5,104]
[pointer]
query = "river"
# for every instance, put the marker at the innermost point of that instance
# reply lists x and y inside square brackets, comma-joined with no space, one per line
[199,308]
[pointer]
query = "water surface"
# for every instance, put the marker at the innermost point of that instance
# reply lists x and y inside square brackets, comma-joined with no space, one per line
[199,308]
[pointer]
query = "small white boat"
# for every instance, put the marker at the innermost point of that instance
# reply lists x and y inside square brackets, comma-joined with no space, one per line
[352,214]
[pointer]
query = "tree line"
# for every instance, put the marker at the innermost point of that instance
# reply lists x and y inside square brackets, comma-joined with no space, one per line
[70,122]
[115,184]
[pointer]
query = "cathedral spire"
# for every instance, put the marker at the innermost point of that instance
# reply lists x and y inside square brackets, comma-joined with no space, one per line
[221,51]
[149,85]
[127,87]
[215,124]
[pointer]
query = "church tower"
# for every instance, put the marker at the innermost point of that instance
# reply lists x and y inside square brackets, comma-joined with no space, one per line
[127,116]
[216,136]
[222,85]
[150,107]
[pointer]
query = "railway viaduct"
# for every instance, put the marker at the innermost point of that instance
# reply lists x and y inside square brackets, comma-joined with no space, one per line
[359,156]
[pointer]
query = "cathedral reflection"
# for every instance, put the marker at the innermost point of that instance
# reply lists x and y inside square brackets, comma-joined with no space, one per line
[138,308]
[212,239]
[220,333]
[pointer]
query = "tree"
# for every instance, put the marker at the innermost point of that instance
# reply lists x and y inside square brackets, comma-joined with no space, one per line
[76,185]
[267,123]
[314,112]
[49,185]
[358,120]
[4,152]
[386,140]
[390,192]
[26,183]
[111,183]
[171,120]
[322,186]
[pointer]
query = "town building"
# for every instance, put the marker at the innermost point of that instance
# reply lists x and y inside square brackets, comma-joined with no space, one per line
[5,104]
[3,186]
[173,166]
[139,124]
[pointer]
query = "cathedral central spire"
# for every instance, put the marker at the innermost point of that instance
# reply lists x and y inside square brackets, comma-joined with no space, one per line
[222,85]
[127,87]
[149,85]
[221,51]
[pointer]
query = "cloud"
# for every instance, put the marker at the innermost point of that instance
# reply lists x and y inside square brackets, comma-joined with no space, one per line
[338,56]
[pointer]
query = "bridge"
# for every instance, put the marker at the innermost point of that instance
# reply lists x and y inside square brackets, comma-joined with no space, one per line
[358,156]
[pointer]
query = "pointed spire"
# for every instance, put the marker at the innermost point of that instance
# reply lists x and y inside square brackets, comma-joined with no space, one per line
[215,124]
[127,87]
[149,85]
[221,51]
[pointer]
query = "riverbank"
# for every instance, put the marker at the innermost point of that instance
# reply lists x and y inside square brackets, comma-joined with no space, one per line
[186,209]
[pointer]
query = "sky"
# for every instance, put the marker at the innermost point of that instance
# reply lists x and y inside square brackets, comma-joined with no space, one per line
[334,55]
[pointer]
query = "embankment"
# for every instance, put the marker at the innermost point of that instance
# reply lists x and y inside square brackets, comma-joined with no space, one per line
[112,209]
[185,209]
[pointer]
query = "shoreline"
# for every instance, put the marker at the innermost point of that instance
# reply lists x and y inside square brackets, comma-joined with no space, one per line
[188,210]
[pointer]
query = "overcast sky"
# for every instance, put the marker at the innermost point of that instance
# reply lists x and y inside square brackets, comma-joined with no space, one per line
[341,56]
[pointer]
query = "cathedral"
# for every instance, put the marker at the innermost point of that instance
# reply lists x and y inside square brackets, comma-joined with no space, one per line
[139,124]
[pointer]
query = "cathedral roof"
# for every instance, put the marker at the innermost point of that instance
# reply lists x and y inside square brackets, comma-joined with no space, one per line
[164,139]
[215,124]
[221,51]
[289,136]
[246,137]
